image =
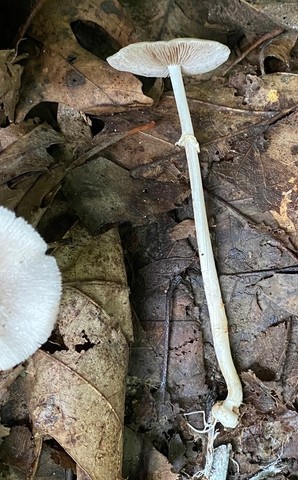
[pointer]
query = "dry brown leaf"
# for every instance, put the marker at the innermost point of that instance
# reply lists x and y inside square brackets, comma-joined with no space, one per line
[95,346]
[102,193]
[281,289]
[152,153]
[17,449]
[280,49]
[62,71]
[66,406]
[54,462]
[161,19]
[13,133]
[158,466]
[27,154]
[290,372]
[184,229]
[35,197]
[238,15]
[76,395]
[233,125]
[95,266]
[10,82]
[24,158]
[252,155]
[284,14]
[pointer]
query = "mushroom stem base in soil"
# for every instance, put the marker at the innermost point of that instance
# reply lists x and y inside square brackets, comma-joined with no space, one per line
[193,56]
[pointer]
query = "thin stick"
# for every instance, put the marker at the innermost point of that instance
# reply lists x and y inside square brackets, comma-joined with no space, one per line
[165,363]
[268,36]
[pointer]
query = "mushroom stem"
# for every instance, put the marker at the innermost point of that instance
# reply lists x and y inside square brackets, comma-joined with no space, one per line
[225,412]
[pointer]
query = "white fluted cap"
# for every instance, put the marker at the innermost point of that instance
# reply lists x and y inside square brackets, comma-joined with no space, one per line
[151,59]
[30,290]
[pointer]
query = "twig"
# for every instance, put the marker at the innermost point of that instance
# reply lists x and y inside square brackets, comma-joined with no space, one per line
[274,33]
[268,122]
[165,362]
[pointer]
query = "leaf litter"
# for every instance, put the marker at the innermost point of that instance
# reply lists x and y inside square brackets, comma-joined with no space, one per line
[246,124]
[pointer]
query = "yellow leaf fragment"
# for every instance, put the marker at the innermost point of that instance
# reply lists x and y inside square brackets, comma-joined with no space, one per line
[281,217]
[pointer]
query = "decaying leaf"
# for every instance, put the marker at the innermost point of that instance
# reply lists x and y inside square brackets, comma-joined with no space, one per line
[28,155]
[260,158]
[159,19]
[157,465]
[235,15]
[246,130]
[281,289]
[182,230]
[76,148]
[10,82]
[103,193]
[13,133]
[104,281]
[17,449]
[258,394]
[68,407]
[284,13]
[54,462]
[24,158]
[76,395]
[60,70]
[277,53]
[290,372]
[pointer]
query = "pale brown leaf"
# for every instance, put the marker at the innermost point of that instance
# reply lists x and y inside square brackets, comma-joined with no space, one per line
[62,71]
[66,406]
[184,229]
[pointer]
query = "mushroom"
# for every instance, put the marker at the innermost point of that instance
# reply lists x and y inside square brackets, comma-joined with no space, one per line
[30,290]
[172,58]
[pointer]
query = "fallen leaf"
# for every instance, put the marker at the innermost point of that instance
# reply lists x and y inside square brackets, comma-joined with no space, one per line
[24,158]
[60,70]
[104,281]
[184,229]
[13,133]
[32,198]
[157,466]
[277,52]
[76,395]
[239,15]
[132,453]
[284,14]
[159,19]
[54,462]
[10,82]
[257,393]
[102,193]
[281,290]
[95,346]
[28,155]
[69,408]
[17,449]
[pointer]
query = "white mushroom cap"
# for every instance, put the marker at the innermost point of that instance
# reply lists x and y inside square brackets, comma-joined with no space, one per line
[151,59]
[30,293]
